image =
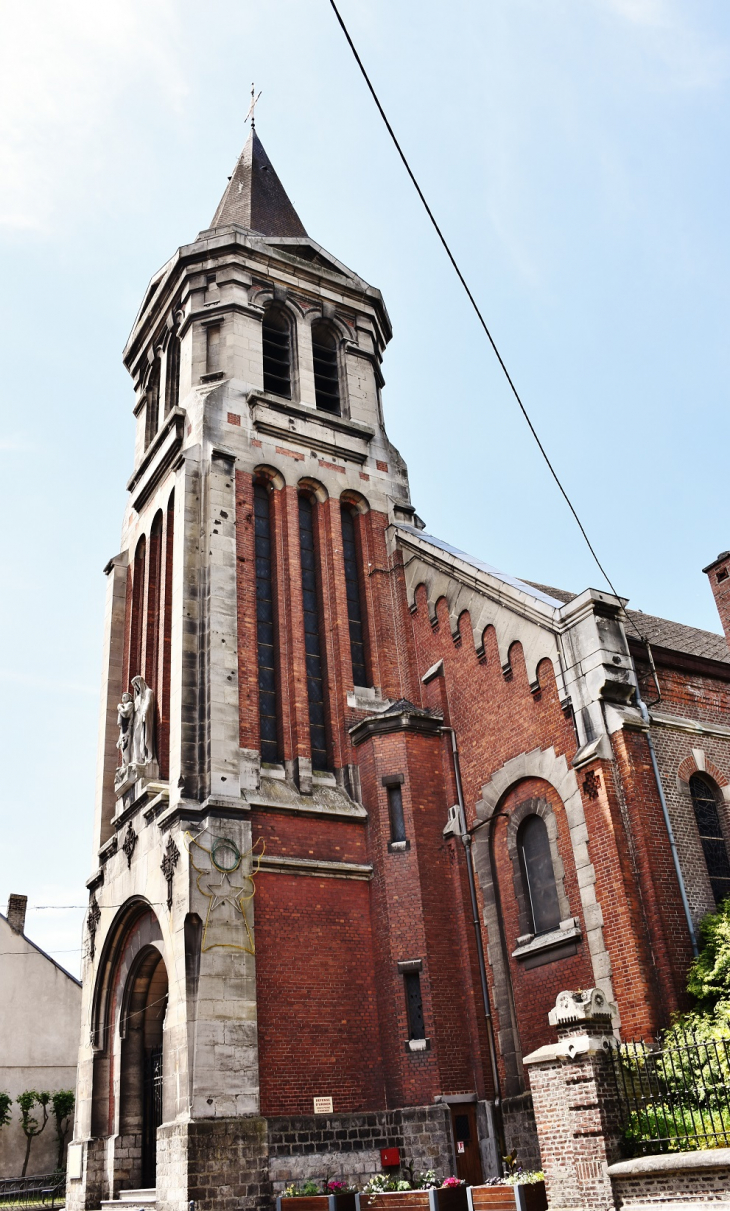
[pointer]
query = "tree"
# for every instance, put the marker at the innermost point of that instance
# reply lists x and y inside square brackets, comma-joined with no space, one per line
[63,1106]
[27,1101]
[6,1102]
[709,975]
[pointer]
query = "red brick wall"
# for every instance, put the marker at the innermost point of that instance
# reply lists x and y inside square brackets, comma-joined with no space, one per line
[317,1014]
[535,991]
[419,912]
[417,903]
[719,576]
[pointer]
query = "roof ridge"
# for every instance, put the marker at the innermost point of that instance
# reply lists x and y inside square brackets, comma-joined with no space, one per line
[40,950]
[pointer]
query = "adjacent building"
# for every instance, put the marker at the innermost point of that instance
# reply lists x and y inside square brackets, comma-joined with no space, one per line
[40,1012]
[309,705]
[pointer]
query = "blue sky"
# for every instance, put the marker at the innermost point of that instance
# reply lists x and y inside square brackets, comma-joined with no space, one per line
[575,153]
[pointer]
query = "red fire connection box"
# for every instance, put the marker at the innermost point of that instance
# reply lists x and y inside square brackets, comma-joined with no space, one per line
[389,1157]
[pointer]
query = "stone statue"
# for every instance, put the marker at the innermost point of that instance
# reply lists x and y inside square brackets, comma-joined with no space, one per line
[143,722]
[125,714]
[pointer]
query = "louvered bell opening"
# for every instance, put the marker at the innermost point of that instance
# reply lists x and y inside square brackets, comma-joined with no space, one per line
[277,355]
[326,374]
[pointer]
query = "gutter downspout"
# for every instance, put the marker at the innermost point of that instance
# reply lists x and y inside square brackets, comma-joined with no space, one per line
[467,843]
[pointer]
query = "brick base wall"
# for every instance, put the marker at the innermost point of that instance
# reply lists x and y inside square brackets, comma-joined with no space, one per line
[520,1130]
[93,1185]
[347,1146]
[216,1163]
[691,1181]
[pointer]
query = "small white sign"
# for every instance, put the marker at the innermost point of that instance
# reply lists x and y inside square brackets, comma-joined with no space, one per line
[460,1146]
[323,1105]
[75,1161]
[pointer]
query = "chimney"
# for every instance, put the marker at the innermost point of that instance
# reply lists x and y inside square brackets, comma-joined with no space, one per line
[16,912]
[719,574]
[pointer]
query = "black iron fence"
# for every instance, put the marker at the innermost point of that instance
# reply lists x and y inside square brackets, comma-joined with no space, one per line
[45,1190]
[676,1096]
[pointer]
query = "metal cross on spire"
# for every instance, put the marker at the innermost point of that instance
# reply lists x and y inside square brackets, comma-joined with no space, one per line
[250,114]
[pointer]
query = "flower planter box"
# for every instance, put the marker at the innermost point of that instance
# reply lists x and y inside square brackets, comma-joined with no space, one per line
[530,1197]
[448,1198]
[318,1202]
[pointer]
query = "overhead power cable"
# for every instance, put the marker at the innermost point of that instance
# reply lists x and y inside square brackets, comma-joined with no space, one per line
[475,305]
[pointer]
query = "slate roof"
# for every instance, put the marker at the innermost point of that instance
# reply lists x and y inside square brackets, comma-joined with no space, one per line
[664,633]
[535,590]
[255,197]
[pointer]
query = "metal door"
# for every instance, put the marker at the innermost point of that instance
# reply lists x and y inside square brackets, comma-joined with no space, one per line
[151,1114]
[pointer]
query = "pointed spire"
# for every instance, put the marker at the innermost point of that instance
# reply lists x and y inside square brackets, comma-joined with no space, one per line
[255,196]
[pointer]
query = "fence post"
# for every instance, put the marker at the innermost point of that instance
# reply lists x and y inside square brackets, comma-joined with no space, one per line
[576,1103]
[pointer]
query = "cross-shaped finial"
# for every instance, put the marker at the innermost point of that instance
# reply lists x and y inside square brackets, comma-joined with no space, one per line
[250,113]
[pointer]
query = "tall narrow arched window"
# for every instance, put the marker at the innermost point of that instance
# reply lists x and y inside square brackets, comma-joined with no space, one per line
[172,374]
[313,640]
[152,627]
[704,801]
[152,414]
[538,877]
[353,585]
[277,353]
[163,744]
[136,629]
[326,371]
[266,625]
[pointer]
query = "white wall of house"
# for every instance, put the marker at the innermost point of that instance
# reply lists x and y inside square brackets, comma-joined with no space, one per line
[40,1018]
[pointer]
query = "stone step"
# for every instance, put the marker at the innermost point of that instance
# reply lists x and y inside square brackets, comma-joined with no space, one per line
[128,1199]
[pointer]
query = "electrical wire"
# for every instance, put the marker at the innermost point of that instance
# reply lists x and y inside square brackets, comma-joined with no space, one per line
[475,305]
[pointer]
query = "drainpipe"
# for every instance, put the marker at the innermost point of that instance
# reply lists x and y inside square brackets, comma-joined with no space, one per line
[467,843]
[667,822]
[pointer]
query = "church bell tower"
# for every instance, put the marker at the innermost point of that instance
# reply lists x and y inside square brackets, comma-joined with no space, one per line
[254,622]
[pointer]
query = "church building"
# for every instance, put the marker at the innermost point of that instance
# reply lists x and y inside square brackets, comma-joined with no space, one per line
[325,735]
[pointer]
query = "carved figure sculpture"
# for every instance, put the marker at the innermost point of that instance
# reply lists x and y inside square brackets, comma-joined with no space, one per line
[143,722]
[125,714]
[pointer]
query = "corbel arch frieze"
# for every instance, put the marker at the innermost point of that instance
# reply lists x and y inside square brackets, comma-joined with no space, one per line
[538,643]
[553,768]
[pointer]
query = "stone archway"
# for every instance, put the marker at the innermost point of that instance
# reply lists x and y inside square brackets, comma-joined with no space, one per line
[141,1065]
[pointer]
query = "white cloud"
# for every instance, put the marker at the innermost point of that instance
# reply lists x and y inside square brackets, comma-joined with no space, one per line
[67,73]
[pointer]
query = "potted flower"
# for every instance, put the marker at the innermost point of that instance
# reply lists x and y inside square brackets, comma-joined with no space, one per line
[523,1190]
[330,1196]
[417,1192]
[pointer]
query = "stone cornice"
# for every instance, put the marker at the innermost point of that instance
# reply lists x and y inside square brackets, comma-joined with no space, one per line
[343,424]
[252,253]
[321,868]
[403,721]
[158,458]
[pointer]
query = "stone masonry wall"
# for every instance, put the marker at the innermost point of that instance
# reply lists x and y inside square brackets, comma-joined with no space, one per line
[347,1146]
[520,1130]
[217,1164]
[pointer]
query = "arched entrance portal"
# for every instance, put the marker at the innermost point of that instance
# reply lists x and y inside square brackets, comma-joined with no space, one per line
[142,1061]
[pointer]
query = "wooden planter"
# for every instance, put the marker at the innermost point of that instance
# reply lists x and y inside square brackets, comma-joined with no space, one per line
[318,1202]
[452,1198]
[508,1198]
